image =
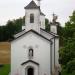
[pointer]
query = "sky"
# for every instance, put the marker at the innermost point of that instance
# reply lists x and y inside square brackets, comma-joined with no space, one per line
[13,9]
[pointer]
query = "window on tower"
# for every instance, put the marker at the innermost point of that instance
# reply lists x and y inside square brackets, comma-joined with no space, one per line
[30,53]
[31,18]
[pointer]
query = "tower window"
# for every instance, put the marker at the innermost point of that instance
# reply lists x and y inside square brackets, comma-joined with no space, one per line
[30,53]
[31,18]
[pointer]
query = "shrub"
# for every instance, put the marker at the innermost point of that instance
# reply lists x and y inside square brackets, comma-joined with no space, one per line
[70,67]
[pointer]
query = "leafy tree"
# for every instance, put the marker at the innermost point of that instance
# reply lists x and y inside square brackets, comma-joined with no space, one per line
[47,26]
[70,67]
[67,52]
[11,28]
[60,33]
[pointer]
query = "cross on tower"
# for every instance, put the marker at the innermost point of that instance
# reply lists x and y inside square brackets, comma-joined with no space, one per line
[38,2]
[55,17]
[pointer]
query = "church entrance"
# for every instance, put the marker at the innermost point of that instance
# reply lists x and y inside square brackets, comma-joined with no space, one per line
[30,71]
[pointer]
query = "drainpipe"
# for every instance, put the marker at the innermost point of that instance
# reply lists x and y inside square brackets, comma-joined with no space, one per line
[51,57]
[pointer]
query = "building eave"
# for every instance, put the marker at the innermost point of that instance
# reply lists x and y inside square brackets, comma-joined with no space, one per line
[41,13]
[33,32]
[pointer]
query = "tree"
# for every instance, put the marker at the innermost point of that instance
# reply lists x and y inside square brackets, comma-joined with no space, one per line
[70,67]
[60,33]
[67,52]
[47,26]
[11,28]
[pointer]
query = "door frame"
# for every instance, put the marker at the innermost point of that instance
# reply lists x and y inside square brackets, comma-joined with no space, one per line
[26,70]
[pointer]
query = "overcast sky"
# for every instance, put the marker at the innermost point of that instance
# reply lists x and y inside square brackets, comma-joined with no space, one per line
[12,9]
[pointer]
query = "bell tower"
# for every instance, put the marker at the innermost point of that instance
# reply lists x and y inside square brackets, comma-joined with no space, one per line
[32,17]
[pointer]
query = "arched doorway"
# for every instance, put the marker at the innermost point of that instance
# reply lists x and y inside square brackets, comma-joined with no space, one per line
[30,71]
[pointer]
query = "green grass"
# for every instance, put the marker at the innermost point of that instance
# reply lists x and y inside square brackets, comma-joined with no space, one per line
[5,69]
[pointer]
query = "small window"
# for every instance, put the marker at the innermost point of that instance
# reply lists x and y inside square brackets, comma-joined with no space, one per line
[30,53]
[31,18]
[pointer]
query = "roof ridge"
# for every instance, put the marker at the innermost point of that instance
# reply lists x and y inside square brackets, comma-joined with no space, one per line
[31,5]
[54,34]
[35,33]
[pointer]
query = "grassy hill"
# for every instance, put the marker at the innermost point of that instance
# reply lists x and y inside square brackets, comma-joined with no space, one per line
[5,69]
[5,49]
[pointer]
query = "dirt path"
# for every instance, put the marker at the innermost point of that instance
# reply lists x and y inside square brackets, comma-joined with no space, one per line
[4,53]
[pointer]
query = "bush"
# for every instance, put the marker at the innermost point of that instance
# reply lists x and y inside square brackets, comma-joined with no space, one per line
[70,67]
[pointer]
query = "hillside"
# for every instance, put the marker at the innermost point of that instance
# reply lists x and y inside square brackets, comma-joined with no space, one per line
[5,52]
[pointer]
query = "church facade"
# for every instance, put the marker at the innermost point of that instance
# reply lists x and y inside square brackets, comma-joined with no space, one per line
[33,50]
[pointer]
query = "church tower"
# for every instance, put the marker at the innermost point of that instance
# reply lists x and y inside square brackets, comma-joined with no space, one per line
[32,17]
[54,24]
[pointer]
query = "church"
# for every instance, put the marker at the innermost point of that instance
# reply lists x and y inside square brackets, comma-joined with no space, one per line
[34,51]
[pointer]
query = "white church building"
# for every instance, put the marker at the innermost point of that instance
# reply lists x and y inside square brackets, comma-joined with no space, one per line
[33,50]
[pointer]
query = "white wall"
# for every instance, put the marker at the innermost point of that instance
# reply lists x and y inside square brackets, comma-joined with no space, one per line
[42,19]
[57,51]
[53,28]
[53,56]
[36,25]
[19,52]
[23,27]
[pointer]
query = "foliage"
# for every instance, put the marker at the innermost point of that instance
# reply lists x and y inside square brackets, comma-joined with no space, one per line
[64,72]
[11,28]
[70,67]
[60,33]
[47,26]
[67,51]
[5,69]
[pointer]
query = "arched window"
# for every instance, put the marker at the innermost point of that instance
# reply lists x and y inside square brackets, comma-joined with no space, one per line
[31,18]
[30,53]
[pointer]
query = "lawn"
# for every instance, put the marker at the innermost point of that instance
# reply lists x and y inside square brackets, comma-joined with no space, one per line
[5,69]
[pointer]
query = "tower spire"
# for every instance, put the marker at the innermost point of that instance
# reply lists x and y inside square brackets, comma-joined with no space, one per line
[55,17]
[39,2]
